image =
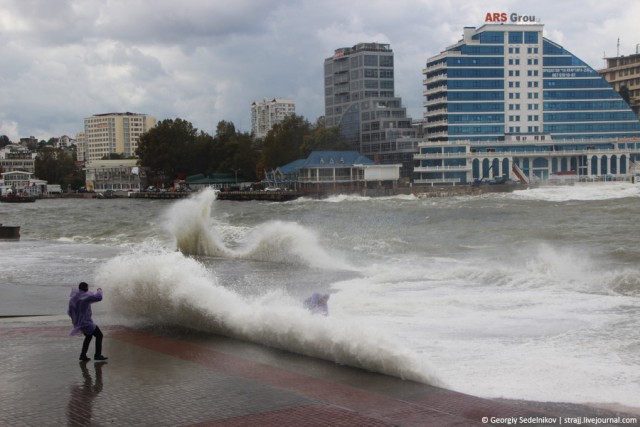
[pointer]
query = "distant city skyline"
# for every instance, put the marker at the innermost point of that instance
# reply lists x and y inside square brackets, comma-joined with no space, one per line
[208,61]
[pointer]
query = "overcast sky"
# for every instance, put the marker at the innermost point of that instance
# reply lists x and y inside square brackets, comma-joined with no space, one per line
[207,60]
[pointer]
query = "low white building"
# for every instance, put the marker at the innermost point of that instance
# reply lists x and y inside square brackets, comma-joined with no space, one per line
[336,171]
[121,174]
[21,181]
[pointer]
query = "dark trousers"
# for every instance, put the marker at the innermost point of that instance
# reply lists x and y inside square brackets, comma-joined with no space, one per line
[87,340]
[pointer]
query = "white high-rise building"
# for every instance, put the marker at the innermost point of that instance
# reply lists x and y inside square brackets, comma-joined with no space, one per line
[268,112]
[114,133]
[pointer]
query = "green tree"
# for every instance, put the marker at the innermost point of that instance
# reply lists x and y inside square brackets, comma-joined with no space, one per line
[173,149]
[4,141]
[283,144]
[324,138]
[57,166]
[234,152]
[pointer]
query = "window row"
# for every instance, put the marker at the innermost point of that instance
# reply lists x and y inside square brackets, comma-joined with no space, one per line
[586,105]
[476,118]
[470,130]
[589,117]
[530,118]
[581,94]
[592,127]
[530,61]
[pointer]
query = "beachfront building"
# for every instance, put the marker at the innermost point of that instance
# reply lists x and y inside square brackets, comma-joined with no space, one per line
[116,175]
[21,182]
[505,101]
[359,98]
[16,157]
[268,112]
[335,171]
[624,72]
[117,133]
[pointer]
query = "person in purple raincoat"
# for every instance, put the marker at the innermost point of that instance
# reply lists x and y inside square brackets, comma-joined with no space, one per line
[317,303]
[80,313]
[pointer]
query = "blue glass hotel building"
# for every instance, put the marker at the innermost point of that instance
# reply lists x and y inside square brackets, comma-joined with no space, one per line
[505,101]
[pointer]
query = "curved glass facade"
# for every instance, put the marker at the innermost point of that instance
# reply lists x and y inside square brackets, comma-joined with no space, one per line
[513,68]
[517,104]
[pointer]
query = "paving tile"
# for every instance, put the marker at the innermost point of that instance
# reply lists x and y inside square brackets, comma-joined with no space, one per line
[155,379]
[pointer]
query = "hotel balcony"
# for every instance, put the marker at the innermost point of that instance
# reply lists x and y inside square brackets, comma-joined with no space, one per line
[437,123]
[441,134]
[435,78]
[432,156]
[438,181]
[438,89]
[461,168]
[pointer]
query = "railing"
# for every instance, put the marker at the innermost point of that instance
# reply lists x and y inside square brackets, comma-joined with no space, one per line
[330,179]
[559,153]
[433,90]
[442,168]
[437,181]
[435,78]
[496,142]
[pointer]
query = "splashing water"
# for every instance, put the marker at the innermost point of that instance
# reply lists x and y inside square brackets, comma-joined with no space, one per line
[196,234]
[528,295]
[168,288]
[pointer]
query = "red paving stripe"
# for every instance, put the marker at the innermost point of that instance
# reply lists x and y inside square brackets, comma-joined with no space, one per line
[373,405]
[449,408]
[308,416]
[472,407]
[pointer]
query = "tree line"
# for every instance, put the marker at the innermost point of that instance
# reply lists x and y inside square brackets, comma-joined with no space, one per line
[175,149]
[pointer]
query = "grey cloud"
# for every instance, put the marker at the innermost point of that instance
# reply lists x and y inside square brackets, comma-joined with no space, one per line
[207,60]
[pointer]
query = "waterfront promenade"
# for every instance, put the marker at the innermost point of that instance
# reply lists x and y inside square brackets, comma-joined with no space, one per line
[176,378]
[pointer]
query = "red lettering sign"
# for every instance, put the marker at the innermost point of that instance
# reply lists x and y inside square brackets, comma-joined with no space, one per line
[495,17]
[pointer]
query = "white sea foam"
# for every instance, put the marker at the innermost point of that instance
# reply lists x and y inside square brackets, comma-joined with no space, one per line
[196,233]
[510,327]
[512,318]
[580,191]
[168,288]
[340,198]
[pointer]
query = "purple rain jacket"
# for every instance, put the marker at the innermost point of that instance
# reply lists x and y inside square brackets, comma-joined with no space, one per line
[80,310]
[317,303]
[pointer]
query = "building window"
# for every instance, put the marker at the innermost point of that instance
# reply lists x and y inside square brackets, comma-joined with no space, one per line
[386,61]
[515,37]
[371,60]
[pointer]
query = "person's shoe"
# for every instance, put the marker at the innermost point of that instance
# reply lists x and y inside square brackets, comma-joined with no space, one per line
[100,357]
[84,358]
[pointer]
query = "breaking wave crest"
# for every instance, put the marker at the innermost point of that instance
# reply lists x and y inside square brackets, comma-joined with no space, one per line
[197,234]
[168,288]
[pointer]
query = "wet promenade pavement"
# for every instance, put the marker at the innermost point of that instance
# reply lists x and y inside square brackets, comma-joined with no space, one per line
[184,379]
